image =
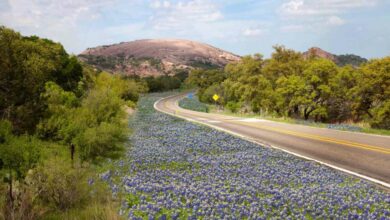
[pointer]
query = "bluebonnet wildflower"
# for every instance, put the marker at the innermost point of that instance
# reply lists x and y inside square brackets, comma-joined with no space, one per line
[176,169]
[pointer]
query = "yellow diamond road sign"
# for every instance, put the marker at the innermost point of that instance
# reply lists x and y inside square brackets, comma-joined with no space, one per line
[215,97]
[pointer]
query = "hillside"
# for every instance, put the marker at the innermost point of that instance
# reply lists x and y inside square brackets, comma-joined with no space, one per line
[156,57]
[341,60]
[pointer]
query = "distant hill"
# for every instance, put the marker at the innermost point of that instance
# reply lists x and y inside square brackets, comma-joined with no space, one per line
[341,60]
[351,59]
[156,57]
[318,52]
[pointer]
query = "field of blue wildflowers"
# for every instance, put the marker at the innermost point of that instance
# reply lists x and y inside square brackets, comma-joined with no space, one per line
[175,169]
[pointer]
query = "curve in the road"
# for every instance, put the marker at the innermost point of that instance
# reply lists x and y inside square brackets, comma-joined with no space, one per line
[363,155]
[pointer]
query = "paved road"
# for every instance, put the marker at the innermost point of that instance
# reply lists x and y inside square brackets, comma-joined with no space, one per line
[365,154]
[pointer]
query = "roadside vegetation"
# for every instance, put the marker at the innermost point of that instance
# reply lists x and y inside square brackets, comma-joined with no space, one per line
[164,82]
[60,122]
[287,85]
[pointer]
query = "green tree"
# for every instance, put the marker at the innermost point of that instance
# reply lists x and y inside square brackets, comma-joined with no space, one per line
[372,92]
[258,92]
[317,76]
[293,91]
[248,66]
[27,63]
[283,63]
[207,81]
[340,105]
[205,78]
[17,156]
[248,85]
[209,92]
[162,83]
[94,124]
[59,106]
[309,94]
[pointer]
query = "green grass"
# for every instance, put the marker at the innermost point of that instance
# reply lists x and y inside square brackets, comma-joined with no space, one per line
[95,210]
[376,131]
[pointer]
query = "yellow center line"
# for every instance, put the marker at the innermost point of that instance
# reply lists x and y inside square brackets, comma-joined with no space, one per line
[304,135]
[319,138]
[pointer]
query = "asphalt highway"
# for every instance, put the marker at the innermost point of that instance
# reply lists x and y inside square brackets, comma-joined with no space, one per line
[363,155]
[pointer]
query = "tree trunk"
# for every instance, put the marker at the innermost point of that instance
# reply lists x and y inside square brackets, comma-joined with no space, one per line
[10,186]
[296,110]
[72,151]
[306,113]
[305,116]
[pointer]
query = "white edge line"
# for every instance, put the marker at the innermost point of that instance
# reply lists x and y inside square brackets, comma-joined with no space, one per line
[387,185]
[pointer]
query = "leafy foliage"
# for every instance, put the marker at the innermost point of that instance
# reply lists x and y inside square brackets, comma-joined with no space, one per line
[47,98]
[95,124]
[312,89]
[26,64]
[162,83]
[17,154]
[372,92]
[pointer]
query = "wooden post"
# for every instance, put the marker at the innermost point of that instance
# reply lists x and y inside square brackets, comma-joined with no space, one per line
[72,150]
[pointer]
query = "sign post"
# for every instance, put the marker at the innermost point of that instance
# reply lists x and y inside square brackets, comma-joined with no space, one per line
[215,97]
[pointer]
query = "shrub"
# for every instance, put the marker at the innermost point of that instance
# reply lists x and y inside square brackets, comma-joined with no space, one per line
[233,106]
[99,142]
[58,185]
[381,116]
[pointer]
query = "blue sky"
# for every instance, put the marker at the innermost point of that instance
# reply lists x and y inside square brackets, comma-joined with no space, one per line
[244,27]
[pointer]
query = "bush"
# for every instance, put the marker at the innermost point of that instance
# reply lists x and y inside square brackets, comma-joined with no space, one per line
[163,83]
[96,124]
[207,95]
[381,116]
[23,207]
[104,141]
[58,185]
[233,106]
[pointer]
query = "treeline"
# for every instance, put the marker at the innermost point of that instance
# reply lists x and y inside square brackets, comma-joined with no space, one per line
[164,82]
[310,89]
[58,120]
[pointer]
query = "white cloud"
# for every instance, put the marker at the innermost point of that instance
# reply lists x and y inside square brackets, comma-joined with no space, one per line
[335,21]
[253,32]
[44,13]
[160,4]
[183,15]
[292,28]
[304,15]
[321,7]
[61,21]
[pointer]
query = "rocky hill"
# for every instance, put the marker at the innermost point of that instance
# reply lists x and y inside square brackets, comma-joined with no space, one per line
[341,60]
[318,52]
[156,57]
